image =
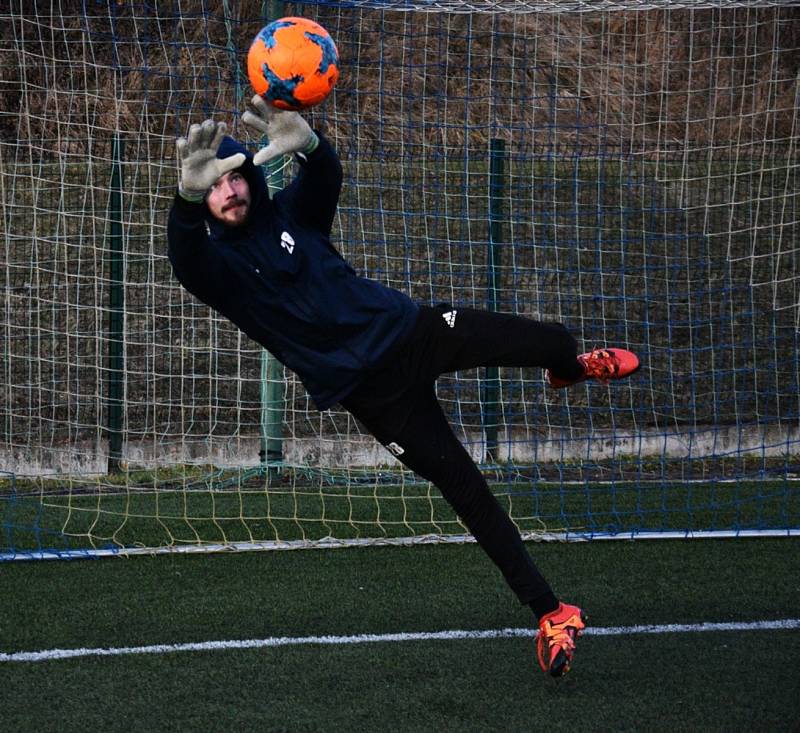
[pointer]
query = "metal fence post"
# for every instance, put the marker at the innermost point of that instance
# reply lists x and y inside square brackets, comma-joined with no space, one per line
[116,314]
[490,399]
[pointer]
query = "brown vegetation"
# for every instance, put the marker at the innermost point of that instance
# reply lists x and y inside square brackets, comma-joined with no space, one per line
[640,81]
[651,196]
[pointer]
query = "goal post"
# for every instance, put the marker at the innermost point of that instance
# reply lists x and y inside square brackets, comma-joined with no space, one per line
[629,169]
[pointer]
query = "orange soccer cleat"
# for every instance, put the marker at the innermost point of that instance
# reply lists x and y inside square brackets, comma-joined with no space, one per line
[600,364]
[555,642]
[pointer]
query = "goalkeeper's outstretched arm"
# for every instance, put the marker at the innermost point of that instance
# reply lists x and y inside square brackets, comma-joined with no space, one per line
[313,195]
[189,247]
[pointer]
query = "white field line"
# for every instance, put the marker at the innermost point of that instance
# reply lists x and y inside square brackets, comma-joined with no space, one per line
[204,646]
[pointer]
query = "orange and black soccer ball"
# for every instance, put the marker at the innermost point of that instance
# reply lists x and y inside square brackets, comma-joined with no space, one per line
[293,63]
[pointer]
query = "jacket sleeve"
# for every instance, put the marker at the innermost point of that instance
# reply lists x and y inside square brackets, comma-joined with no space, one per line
[312,196]
[193,258]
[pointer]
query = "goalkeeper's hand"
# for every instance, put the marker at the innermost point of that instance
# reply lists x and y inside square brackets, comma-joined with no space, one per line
[286,131]
[197,156]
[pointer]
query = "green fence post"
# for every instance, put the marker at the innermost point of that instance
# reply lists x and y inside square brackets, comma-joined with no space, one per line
[116,305]
[273,405]
[491,382]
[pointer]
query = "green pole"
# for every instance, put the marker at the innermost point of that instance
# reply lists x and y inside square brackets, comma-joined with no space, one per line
[116,306]
[273,405]
[491,382]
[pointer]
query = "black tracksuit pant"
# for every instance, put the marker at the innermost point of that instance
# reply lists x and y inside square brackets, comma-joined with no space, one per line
[398,405]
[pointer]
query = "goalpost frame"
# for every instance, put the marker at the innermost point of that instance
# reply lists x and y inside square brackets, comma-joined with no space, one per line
[628,169]
[333,544]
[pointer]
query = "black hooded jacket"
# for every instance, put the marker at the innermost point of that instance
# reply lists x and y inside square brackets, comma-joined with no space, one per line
[282,282]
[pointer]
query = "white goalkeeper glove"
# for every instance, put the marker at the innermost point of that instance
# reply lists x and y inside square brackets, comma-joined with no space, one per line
[197,155]
[286,131]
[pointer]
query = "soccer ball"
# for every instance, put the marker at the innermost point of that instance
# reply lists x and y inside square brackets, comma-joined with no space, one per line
[293,63]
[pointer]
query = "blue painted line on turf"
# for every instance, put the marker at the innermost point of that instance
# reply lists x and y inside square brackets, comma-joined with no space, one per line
[206,646]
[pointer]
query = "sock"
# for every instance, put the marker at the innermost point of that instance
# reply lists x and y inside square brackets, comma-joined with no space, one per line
[544,604]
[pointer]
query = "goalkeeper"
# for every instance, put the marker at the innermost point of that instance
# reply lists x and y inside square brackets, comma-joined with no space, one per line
[268,265]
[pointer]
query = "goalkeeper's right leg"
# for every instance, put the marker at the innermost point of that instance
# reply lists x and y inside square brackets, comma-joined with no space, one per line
[425,443]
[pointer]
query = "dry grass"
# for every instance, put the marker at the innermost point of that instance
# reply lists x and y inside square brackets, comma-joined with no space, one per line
[639,81]
[650,154]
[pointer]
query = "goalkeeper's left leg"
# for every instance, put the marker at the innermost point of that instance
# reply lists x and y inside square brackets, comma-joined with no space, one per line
[464,338]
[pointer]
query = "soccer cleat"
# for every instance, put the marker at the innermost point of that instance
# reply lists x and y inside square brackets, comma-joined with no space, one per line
[555,642]
[600,364]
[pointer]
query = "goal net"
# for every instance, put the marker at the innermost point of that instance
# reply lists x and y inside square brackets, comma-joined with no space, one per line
[629,169]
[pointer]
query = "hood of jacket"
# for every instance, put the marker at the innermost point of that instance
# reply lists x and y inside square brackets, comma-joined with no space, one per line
[254,176]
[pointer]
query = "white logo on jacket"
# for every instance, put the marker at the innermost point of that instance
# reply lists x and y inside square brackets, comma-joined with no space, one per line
[450,318]
[287,242]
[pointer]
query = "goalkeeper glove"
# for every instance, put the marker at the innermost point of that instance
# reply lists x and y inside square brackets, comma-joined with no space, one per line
[197,155]
[286,131]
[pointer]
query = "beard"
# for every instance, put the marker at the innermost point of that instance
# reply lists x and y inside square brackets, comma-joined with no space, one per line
[236,203]
[235,212]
